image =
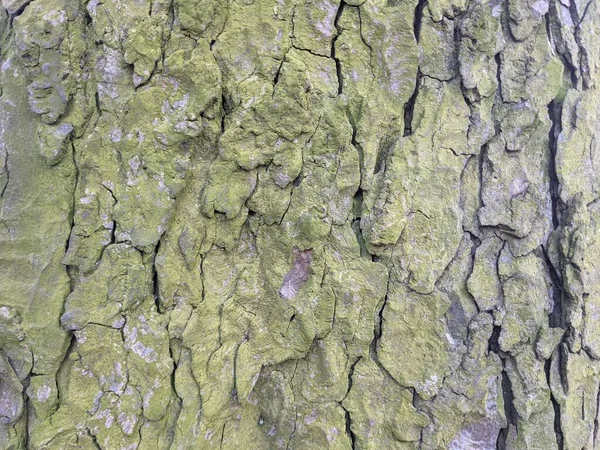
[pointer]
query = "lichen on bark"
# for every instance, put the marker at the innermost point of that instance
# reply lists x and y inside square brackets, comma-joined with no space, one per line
[299,224]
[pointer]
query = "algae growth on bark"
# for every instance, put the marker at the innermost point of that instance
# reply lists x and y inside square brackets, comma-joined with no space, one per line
[299,224]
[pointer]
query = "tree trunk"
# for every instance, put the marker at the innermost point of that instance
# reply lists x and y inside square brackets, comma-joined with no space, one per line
[261,224]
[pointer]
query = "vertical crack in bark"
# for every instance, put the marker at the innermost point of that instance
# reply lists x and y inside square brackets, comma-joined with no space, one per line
[359,151]
[385,148]
[364,41]
[227,108]
[584,68]
[74,199]
[167,36]
[277,75]
[493,345]
[62,374]
[556,318]
[480,162]
[338,63]
[155,281]
[356,224]
[18,12]
[72,271]
[27,411]
[378,331]
[509,408]
[113,231]
[220,32]
[94,439]
[202,280]
[7,172]
[349,432]
[234,391]
[556,408]
[173,376]
[498,60]
[409,107]
[596,421]
[565,58]
[347,415]
[508,396]
[554,113]
[358,196]
[418,18]
[475,244]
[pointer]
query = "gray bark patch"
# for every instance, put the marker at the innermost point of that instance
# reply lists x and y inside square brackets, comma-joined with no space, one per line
[297,276]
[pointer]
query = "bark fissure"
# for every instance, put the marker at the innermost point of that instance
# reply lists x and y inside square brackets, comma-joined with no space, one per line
[409,107]
[554,112]
[556,409]
[338,63]
[380,202]
[347,415]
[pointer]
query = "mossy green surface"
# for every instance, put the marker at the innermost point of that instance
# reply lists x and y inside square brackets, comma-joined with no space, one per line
[298,224]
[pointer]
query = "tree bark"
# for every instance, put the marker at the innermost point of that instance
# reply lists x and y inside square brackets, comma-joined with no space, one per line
[256,224]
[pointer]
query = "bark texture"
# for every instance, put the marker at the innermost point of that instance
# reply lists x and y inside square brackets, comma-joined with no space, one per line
[299,224]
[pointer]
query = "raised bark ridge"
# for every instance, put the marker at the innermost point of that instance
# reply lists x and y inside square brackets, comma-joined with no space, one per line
[249,224]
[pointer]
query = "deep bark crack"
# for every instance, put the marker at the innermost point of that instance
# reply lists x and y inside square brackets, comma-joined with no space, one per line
[554,113]
[556,408]
[338,63]
[409,107]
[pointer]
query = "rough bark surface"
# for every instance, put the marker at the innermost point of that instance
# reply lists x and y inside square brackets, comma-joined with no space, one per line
[299,224]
